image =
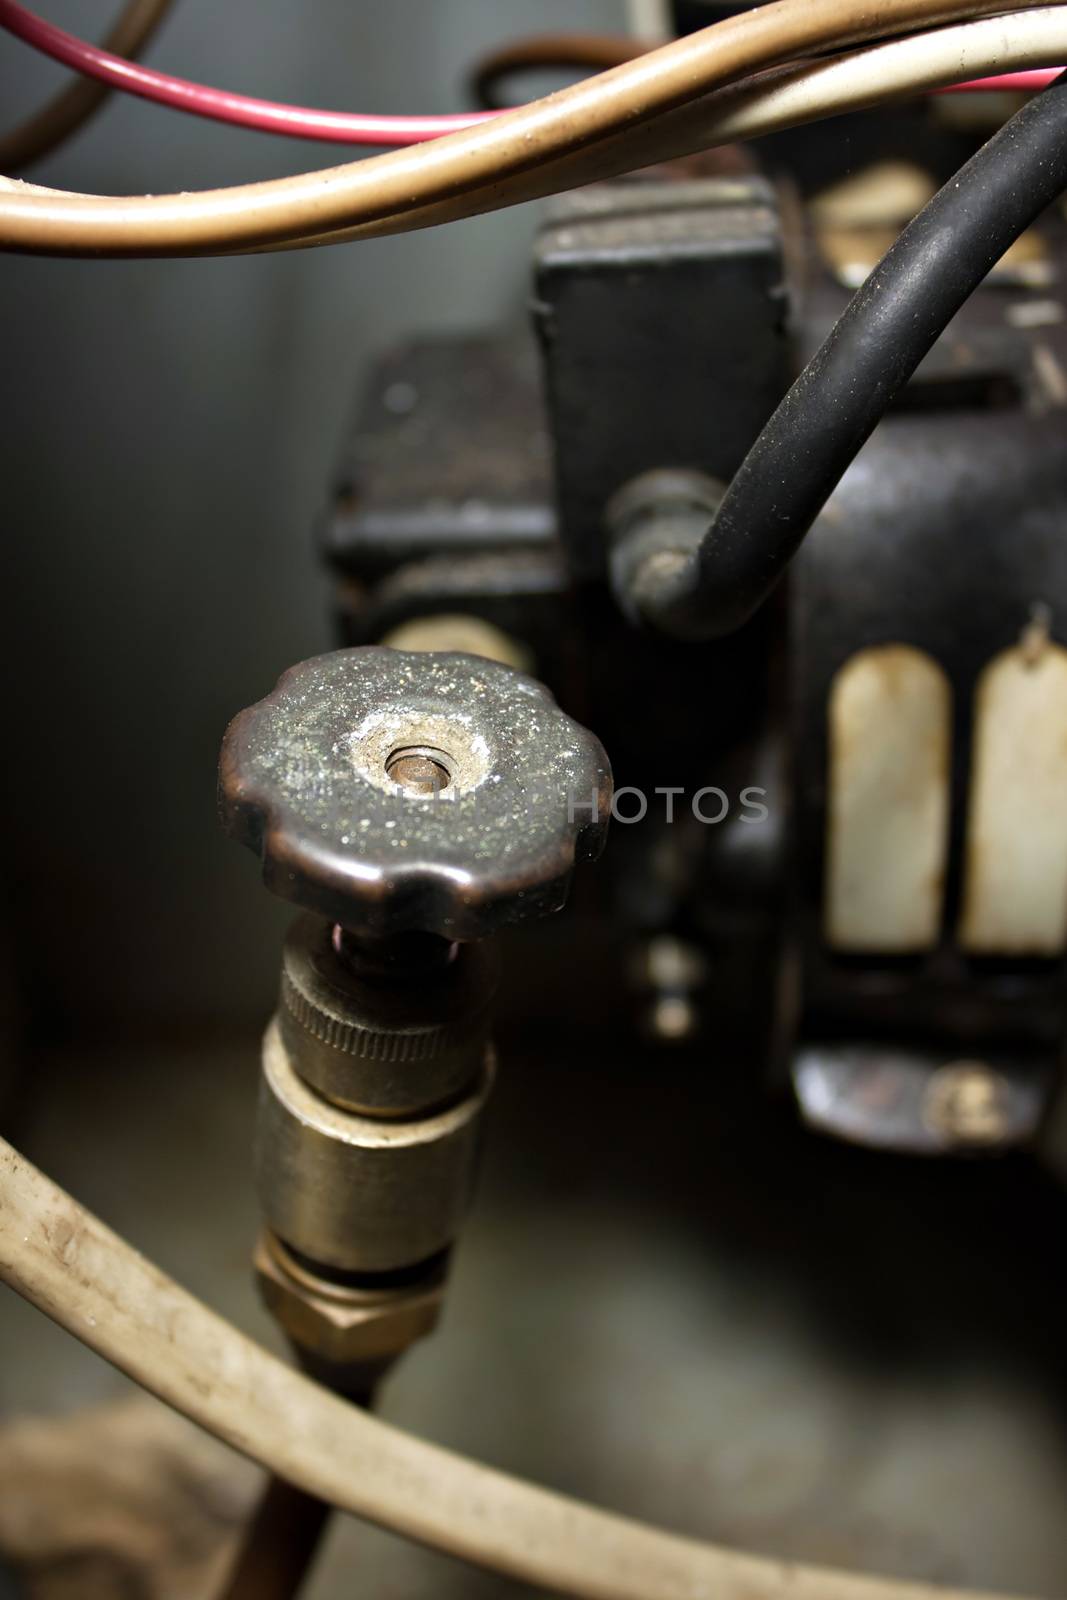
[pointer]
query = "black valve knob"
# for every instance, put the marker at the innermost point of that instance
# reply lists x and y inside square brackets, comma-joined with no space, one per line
[393,791]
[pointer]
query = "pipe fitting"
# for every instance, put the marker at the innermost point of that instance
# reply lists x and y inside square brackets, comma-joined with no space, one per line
[345,1326]
[358,1193]
[656,526]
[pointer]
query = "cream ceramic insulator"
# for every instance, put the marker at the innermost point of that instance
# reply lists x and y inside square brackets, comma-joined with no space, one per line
[888,802]
[1015,878]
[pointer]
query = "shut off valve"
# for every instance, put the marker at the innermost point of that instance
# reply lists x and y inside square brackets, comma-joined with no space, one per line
[411,804]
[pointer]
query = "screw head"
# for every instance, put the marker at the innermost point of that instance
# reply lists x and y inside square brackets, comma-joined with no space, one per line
[968,1103]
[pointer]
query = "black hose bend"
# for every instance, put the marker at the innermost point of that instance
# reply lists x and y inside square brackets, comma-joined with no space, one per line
[833,407]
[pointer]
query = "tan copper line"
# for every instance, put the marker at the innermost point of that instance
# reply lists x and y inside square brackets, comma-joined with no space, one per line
[60,1257]
[593,52]
[782,97]
[479,161]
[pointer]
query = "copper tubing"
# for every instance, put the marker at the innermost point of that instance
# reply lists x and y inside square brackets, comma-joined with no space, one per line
[279,1545]
[282,1538]
[60,1257]
[589,52]
[468,171]
[46,129]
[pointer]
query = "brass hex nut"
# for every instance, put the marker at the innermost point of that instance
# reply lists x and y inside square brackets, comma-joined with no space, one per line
[339,1325]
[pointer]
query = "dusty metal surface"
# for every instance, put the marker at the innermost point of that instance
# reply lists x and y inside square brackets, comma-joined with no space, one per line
[639,376]
[304,782]
[450,449]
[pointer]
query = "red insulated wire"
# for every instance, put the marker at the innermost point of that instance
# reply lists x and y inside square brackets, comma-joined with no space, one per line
[298,122]
[1028,82]
[268,116]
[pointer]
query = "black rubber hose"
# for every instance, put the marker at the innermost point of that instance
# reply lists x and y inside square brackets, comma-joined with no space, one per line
[833,407]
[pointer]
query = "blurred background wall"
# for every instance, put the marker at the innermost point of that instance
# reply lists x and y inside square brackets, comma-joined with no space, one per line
[168,439]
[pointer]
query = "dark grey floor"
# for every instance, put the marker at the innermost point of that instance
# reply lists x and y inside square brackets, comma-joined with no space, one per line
[677,1308]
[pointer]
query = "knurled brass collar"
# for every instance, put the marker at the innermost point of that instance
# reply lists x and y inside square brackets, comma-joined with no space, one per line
[391,1048]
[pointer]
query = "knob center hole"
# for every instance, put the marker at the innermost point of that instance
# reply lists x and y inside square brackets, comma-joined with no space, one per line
[419,769]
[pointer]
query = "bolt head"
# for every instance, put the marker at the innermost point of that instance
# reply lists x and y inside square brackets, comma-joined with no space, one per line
[968,1103]
[343,1327]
